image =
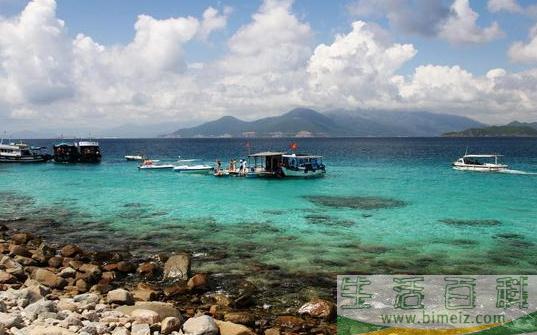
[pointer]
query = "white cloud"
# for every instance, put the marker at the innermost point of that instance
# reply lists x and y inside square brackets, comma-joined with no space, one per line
[271,65]
[504,5]
[356,69]
[521,52]
[461,26]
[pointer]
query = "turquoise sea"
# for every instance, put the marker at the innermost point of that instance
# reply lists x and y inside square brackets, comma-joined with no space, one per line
[385,206]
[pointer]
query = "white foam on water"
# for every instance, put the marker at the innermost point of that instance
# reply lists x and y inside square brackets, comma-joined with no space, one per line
[517,172]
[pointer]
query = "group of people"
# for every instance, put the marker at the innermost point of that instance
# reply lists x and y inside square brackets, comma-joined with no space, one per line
[240,169]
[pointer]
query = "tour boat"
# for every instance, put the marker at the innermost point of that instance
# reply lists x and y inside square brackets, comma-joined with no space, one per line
[89,151]
[22,153]
[281,164]
[66,153]
[480,163]
[193,168]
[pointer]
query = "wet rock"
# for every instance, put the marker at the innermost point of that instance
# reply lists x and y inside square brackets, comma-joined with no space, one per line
[19,250]
[229,328]
[145,316]
[126,267]
[55,262]
[198,281]
[175,289]
[89,272]
[289,321]
[120,296]
[49,278]
[244,318]
[356,202]
[140,329]
[21,238]
[319,308]
[170,324]
[177,267]
[108,277]
[147,269]
[70,250]
[201,325]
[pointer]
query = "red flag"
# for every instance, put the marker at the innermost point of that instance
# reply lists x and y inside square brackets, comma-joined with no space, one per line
[294,146]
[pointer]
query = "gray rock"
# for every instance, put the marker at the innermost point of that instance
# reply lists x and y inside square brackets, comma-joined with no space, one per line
[11,320]
[145,316]
[66,304]
[68,272]
[163,309]
[87,300]
[89,329]
[201,325]
[177,267]
[140,329]
[32,311]
[120,296]
[121,331]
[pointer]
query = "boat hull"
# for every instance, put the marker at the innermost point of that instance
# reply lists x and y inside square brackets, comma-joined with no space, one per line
[480,168]
[31,159]
[155,167]
[303,173]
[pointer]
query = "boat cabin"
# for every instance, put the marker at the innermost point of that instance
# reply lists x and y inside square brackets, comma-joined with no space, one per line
[89,151]
[66,153]
[265,164]
[479,159]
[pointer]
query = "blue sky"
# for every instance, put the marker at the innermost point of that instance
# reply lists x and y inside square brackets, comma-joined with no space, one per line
[401,44]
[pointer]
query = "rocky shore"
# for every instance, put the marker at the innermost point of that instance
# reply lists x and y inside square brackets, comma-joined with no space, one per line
[62,289]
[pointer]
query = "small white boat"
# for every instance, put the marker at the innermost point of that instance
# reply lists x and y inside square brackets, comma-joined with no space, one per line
[193,168]
[134,157]
[479,163]
[150,165]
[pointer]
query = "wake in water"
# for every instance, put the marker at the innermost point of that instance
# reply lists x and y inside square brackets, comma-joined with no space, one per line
[518,172]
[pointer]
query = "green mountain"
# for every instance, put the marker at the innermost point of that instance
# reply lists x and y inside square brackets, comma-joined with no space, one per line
[513,129]
[303,122]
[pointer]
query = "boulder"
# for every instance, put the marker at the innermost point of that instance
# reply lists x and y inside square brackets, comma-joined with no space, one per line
[140,329]
[201,325]
[120,296]
[48,330]
[170,324]
[66,304]
[175,289]
[49,278]
[11,320]
[198,281]
[42,306]
[89,272]
[145,316]
[21,238]
[19,250]
[67,272]
[244,318]
[70,250]
[147,268]
[230,328]
[81,286]
[289,321]
[177,267]
[319,308]
[163,309]
[55,262]
[144,292]
[272,331]
[7,278]
[126,267]
[121,331]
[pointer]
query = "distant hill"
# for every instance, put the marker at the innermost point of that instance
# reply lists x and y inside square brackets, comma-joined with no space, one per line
[513,129]
[303,122]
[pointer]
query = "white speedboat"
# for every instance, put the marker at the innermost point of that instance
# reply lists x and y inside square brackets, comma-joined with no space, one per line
[479,163]
[150,165]
[193,168]
[134,157]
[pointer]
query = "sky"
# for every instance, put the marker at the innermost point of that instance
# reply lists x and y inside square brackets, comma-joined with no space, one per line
[108,63]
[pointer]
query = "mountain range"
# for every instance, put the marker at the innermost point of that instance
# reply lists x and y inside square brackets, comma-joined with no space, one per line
[304,122]
[513,129]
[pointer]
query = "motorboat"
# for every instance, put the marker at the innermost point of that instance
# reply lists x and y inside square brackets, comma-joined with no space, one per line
[480,163]
[134,157]
[281,164]
[150,165]
[66,153]
[22,153]
[201,168]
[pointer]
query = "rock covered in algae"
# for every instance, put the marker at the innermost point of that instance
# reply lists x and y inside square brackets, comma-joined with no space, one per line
[355,202]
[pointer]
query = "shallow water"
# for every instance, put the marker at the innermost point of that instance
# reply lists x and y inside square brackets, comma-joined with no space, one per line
[385,206]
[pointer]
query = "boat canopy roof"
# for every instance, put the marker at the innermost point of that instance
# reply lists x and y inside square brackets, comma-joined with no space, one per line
[302,156]
[88,144]
[267,153]
[482,156]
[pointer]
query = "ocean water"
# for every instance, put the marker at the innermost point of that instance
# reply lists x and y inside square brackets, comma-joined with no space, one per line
[385,206]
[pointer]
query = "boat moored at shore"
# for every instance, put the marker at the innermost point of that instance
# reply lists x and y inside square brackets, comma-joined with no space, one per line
[89,151]
[201,169]
[281,164]
[22,153]
[479,163]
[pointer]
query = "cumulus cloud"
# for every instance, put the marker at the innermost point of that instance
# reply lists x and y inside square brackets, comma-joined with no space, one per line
[271,64]
[521,52]
[504,5]
[356,69]
[461,26]
[420,17]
